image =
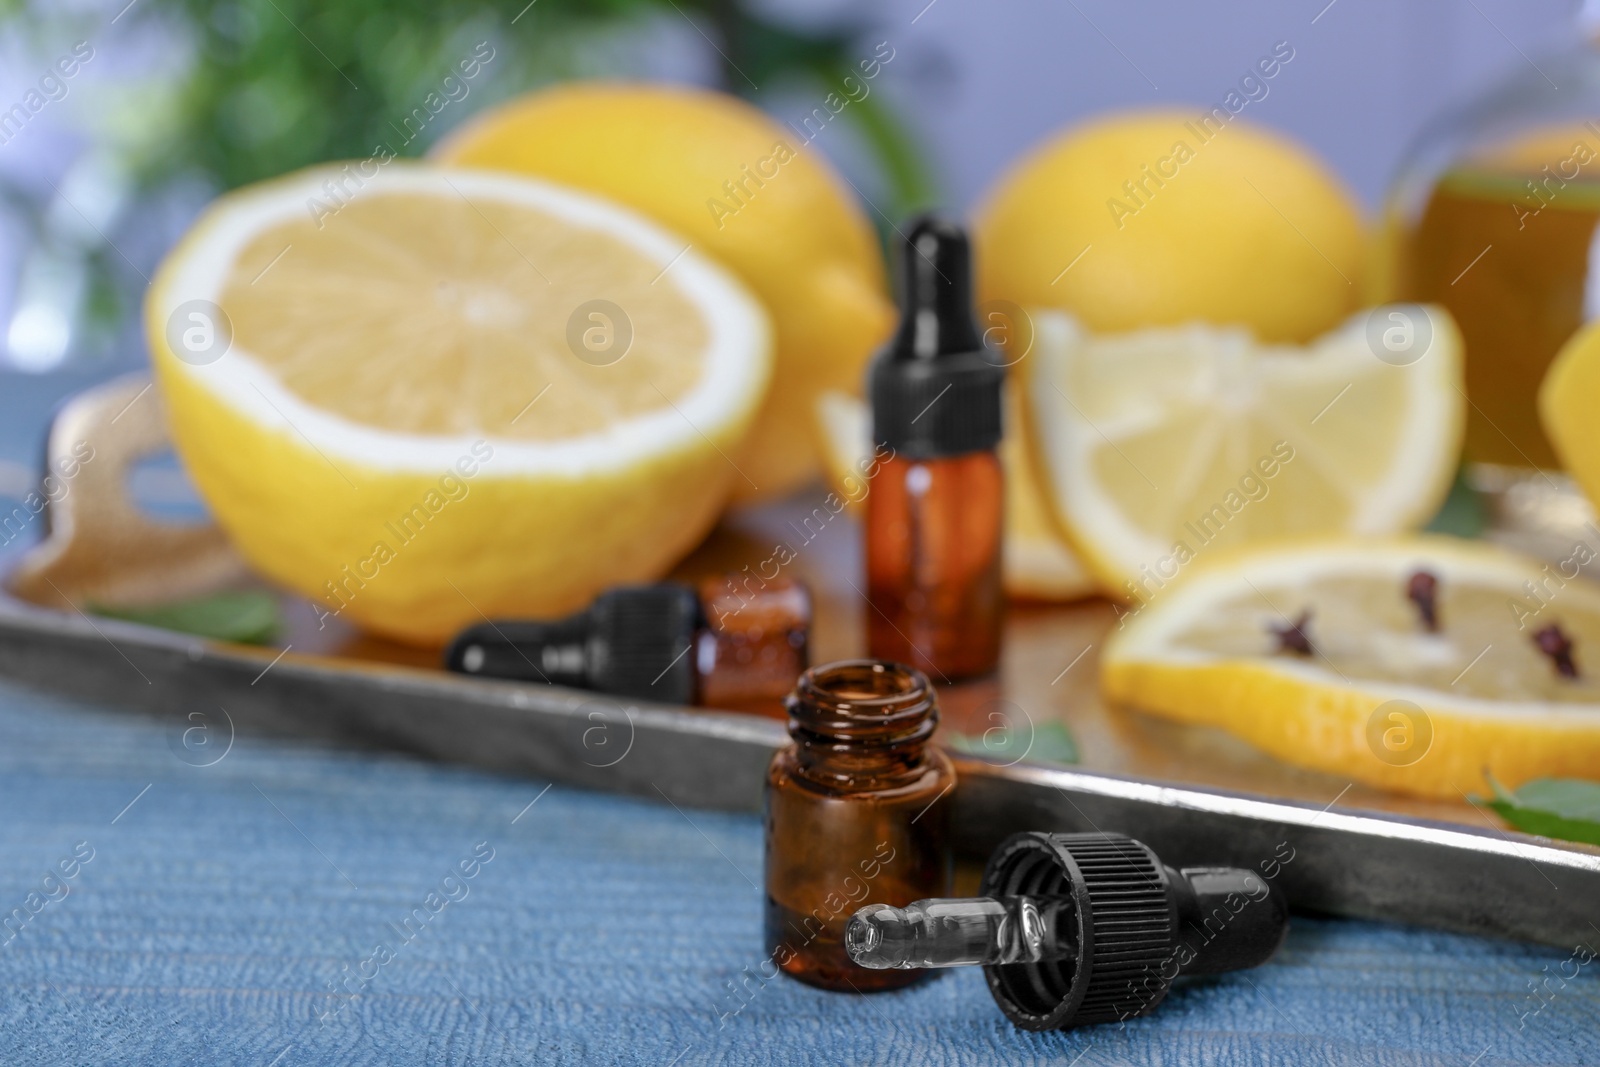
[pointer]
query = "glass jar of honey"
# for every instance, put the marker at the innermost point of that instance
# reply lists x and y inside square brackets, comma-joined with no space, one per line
[1494,216]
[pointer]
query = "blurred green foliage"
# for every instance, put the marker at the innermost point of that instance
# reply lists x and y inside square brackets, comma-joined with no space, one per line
[194,96]
[280,84]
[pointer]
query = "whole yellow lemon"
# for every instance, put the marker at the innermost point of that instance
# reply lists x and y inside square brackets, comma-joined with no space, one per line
[739,187]
[1162,217]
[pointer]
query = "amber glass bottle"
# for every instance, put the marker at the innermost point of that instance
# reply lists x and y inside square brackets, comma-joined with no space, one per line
[934,511]
[857,814]
[933,560]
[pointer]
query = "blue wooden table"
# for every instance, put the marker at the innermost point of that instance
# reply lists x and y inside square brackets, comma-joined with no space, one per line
[299,906]
[287,906]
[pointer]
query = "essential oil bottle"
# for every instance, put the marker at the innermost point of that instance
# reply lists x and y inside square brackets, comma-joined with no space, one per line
[857,813]
[933,520]
[716,644]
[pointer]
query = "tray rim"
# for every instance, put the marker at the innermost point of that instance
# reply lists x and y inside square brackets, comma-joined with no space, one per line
[1358,863]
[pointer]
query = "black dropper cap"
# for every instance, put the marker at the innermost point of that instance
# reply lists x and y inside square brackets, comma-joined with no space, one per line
[632,641]
[936,389]
[1139,924]
[1076,929]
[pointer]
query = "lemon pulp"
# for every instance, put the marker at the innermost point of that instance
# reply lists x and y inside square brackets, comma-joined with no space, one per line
[452,291]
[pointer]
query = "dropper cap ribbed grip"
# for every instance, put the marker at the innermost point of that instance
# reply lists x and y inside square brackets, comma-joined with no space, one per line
[1125,929]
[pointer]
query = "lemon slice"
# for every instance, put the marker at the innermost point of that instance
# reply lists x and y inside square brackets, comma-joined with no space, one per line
[1036,564]
[421,395]
[1371,693]
[1158,446]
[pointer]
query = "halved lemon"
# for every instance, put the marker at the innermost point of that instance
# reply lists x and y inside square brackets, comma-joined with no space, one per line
[1158,446]
[1036,564]
[1320,654]
[423,396]
[748,192]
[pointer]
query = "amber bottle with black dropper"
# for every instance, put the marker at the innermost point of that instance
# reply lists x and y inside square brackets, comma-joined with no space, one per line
[933,522]
[857,813]
[714,644]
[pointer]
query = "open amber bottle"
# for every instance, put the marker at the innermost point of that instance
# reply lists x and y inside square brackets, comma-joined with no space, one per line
[857,813]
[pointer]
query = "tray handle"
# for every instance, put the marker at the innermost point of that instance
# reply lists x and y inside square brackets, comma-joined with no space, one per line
[99,546]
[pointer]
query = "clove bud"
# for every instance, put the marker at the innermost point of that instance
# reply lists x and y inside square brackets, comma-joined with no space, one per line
[1558,646]
[1423,590]
[1292,636]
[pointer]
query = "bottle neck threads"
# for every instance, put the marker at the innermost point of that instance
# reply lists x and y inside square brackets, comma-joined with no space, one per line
[861,725]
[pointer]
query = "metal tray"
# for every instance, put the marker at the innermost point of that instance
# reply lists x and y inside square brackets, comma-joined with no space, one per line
[1195,795]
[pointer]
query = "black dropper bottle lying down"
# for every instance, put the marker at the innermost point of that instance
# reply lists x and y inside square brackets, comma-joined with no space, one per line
[716,644]
[629,642]
[1076,929]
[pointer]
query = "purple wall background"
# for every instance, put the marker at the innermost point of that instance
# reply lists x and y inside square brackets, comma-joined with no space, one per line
[980,80]
[985,79]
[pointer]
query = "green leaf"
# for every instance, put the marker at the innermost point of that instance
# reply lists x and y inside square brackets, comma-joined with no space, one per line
[1564,808]
[1463,513]
[1049,742]
[247,616]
